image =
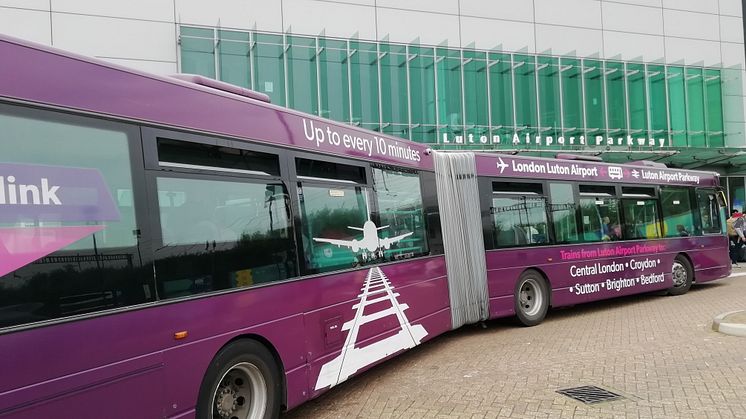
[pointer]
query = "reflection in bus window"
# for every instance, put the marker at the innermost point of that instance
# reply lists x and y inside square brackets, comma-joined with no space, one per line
[640,219]
[519,221]
[52,264]
[400,209]
[709,212]
[219,235]
[563,210]
[600,217]
[678,213]
[333,220]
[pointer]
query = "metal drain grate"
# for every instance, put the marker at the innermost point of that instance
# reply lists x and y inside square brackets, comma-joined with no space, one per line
[589,394]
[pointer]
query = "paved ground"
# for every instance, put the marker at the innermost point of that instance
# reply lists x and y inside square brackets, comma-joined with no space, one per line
[658,352]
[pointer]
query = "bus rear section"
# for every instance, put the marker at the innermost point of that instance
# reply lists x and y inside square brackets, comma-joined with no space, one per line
[562,232]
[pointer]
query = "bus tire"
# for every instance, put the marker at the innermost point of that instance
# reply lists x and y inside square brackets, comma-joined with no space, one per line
[682,274]
[531,298]
[243,382]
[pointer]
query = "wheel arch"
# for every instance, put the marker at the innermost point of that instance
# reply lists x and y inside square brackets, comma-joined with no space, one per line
[275,355]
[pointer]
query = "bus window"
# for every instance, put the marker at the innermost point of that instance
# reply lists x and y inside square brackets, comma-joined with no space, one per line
[519,214]
[70,245]
[337,232]
[333,222]
[400,209]
[640,219]
[599,210]
[640,208]
[709,212]
[220,235]
[678,212]
[563,210]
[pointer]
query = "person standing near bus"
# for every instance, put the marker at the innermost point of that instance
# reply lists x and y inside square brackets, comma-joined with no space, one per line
[735,226]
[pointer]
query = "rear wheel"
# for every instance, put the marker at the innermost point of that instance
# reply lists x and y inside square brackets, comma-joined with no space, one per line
[682,274]
[242,382]
[531,298]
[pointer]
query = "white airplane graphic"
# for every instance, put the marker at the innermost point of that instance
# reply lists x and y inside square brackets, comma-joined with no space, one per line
[370,241]
[501,165]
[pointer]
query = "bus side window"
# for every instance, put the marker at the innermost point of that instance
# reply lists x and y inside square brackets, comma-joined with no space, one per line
[678,212]
[222,234]
[599,209]
[641,219]
[640,208]
[336,229]
[563,210]
[82,254]
[400,208]
[519,214]
[709,212]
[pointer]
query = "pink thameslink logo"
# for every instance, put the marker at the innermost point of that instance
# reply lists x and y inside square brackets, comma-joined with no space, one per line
[48,208]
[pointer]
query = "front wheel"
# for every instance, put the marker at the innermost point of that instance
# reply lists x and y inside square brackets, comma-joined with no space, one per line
[242,382]
[531,298]
[682,274]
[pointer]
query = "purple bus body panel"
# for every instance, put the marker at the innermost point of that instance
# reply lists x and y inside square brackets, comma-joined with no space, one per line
[568,267]
[78,83]
[575,170]
[274,313]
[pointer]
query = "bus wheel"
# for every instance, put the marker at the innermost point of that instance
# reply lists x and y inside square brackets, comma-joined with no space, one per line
[243,382]
[531,298]
[682,276]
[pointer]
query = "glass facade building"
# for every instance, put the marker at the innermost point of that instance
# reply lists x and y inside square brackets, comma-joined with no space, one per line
[466,98]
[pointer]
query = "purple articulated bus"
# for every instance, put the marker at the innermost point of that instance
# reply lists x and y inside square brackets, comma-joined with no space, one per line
[179,247]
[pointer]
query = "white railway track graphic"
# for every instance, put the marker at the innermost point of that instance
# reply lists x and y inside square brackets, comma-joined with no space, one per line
[376,289]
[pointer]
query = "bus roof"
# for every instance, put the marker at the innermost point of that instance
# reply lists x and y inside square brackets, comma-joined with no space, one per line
[44,75]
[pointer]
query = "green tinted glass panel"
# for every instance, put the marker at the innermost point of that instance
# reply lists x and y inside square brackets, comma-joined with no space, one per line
[616,99]
[572,95]
[656,79]
[695,102]
[364,74]
[269,67]
[524,73]
[475,91]
[400,208]
[394,88]
[234,58]
[451,114]
[714,113]
[198,51]
[595,111]
[736,193]
[334,85]
[422,93]
[638,118]
[501,91]
[302,81]
[677,105]
[547,70]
